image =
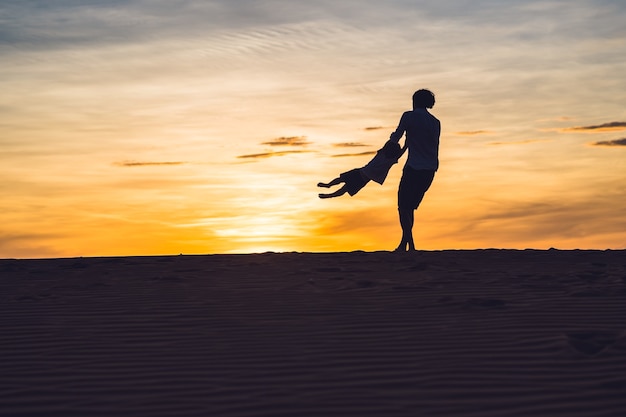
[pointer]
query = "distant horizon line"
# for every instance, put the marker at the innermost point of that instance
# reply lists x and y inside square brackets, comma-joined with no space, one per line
[356,251]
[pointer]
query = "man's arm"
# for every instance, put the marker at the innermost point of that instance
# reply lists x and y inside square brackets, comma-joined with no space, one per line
[404,148]
[397,135]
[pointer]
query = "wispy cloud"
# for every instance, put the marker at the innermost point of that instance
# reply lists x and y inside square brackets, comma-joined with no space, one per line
[353,221]
[288,141]
[474,133]
[144,164]
[557,119]
[354,154]
[519,142]
[268,154]
[605,127]
[28,244]
[614,142]
[349,144]
[375,128]
[281,141]
[553,221]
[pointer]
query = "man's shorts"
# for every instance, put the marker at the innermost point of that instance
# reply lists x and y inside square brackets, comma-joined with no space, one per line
[413,185]
[354,181]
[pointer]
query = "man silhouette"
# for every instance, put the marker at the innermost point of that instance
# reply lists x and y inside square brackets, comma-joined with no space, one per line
[422,140]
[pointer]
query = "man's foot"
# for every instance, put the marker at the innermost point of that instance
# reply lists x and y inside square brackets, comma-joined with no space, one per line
[401,248]
[325,195]
[405,247]
[321,184]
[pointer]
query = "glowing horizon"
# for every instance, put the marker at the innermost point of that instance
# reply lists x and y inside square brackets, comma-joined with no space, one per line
[195,127]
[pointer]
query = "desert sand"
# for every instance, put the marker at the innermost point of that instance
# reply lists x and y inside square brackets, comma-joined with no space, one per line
[432,333]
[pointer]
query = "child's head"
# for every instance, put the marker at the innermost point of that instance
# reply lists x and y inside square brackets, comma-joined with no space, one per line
[392,150]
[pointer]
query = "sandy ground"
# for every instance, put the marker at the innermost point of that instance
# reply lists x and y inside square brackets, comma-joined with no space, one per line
[451,333]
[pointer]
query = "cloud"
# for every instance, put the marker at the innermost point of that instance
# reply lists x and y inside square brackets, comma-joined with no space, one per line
[519,142]
[354,154]
[558,119]
[542,223]
[605,127]
[234,26]
[268,154]
[614,142]
[337,224]
[474,133]
[143,164]
[352,145]
[281,141]
[349,144]
[27,245]
[374,128]
[288,141]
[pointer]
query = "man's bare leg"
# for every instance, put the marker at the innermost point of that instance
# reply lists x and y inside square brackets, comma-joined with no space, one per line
[407,218]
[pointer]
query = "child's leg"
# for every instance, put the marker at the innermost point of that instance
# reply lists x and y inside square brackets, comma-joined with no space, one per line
[330,184]
[337,193]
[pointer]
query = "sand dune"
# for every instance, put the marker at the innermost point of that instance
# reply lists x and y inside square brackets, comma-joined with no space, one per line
[451,333]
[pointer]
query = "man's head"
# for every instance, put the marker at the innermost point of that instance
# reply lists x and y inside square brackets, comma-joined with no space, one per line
[423,99]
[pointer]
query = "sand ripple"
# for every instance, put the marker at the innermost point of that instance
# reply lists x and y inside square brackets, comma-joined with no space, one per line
[452,333]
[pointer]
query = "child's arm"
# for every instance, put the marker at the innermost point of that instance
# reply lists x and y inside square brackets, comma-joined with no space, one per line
[402,151]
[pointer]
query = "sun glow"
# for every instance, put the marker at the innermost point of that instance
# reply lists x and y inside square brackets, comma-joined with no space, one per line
[207,133]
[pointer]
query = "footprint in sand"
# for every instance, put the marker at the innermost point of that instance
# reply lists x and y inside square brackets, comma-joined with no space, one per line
[328,270]
[591,343]
[486,303]
[364,283]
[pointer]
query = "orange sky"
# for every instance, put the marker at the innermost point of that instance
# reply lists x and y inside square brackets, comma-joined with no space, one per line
[141,129]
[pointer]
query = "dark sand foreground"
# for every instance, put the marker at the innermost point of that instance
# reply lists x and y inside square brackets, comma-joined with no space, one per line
[453,333]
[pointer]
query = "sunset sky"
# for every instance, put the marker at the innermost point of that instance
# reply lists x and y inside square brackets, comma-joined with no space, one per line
[164,127]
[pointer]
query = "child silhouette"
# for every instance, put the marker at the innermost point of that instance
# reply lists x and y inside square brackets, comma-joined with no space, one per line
[375,170]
